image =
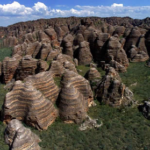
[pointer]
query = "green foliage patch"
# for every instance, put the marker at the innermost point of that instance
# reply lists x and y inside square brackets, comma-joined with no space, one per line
[137,78]
[4,52]
[82,70]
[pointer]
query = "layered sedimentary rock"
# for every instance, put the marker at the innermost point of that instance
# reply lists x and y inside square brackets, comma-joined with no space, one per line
[9,67]
[29,38]
[116,52]
[62,58]
[20,49]
[132,39]
[112,91]
[61,63]
[10,41]
[44,82]
[45,50]
[117,66]
[70,66]
[56,68]
[92,74]
[119,30]
[99,50]
[53,54]
[51,33]
[136,55]
[26,67]
[85,57]
[33,49]
[27,103]
[75,97]
[19,137]
[78,39]
[42,66]
[68,45]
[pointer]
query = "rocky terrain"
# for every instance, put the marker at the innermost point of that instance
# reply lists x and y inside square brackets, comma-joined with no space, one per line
[61,69]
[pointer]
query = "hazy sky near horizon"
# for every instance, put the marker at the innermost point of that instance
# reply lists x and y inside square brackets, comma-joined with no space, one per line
[24,10]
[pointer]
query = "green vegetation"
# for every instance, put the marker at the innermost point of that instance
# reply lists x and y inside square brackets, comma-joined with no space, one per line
[3,92]
[138,74]
[124,129]
[1,40]
[57,81]
[82,70]
[49,62]
[4,52]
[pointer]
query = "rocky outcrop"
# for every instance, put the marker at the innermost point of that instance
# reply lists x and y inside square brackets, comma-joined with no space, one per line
[117,66]
[9,67]
[119,30]
[99,50]
[56,68]
[92,74]
[132,39]
[89,123]
[61,63]
[44,82]
[10,41]
[136,55]
[19,137]
[68,45]
[27,103]
[42,66]
[26,67]
[20,49]
[19,67]
[112,91]
[145,108]
[53,54]
[62,58]
[75,97]
[85,57]
[116,52]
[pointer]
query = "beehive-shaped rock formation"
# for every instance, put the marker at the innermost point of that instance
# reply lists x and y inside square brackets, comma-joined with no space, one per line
[112,91]
[85,57]
[75,97]
[92,74]
[26,67]
[27,103]
[99,50]
[20,138]
[132,39]
[44,82]
[116,52]
[68,45]
[42,66]
[136,55]
[56,68]
[9,67]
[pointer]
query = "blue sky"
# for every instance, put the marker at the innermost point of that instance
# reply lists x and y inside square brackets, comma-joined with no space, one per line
[22,10]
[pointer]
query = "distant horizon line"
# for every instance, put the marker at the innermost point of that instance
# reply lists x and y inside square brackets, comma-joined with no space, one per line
[71,17]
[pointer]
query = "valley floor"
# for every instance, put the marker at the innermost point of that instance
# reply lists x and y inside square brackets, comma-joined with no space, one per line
[124,129]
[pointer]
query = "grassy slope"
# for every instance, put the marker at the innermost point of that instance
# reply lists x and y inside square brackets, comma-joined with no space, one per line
[140,74]
[122,130]
[5,52]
